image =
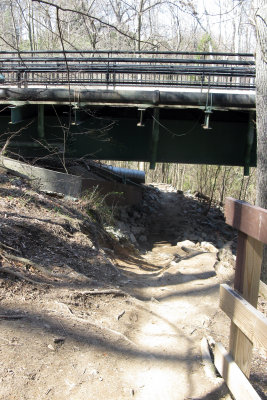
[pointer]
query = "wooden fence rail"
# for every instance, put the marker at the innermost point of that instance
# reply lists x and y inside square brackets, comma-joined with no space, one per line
[248,325]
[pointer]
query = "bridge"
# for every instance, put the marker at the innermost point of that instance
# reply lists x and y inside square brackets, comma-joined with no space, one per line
[188,107]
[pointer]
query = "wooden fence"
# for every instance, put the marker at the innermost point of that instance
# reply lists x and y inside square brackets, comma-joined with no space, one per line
[248,325]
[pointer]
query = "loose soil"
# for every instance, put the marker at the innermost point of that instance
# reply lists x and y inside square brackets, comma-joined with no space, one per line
[85,315]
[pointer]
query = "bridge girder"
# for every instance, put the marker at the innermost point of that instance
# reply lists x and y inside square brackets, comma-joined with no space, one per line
[105,124]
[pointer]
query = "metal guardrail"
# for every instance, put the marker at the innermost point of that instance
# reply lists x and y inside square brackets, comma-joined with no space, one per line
[112,68]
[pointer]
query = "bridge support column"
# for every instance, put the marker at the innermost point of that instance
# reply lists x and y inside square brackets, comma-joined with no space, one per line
[40,128]
[250,140]
[154,139]
[22,113]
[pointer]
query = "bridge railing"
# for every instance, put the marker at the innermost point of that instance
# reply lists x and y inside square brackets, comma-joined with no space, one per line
[171,69]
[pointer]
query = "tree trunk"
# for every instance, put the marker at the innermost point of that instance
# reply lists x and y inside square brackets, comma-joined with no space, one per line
[261,109]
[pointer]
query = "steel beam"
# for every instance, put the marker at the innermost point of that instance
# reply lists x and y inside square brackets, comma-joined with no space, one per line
[250,140]
[159,98]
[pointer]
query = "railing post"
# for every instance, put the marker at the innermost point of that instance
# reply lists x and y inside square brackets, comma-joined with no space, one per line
[107,73]
[251,224]
[19,79]
[248,268]
[25,79]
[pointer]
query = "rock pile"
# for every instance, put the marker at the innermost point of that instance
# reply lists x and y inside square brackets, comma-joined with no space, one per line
[132,221]
[176,216]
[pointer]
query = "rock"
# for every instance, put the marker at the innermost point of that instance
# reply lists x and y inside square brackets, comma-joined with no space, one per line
[136,215]
[187,244]
[132,238]
[142,238]
[17,182]
[225,255]
[136,230]
[59,340]
[51,347]
[124,214]
[195,237]
[174,263]
[115,232]
[207,246]
[122,226]
[94,372]
[224,271]
[219,244]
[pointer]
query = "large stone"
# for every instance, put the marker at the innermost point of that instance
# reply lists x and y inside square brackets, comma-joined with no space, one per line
[207,246]
[225,255]
[187,244]
[142,238]
[132,238]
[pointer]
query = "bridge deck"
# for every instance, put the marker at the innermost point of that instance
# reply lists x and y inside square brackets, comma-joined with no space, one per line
[167,69]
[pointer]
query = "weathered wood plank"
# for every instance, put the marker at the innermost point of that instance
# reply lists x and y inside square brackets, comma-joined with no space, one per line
[246,218]
[240,261]
[247,278]
[240,349]
[249,320]
[234,378]
[252,270]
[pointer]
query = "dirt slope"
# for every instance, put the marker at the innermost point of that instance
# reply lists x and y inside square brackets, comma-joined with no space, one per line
[84,315]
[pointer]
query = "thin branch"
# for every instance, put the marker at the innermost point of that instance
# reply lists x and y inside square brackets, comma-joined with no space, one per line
[92,17]
[12,136]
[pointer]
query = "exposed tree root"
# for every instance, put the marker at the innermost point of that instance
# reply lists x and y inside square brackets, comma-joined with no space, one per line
[4,316]
[11,272]
[3,245]
[103,328]
[115,292]
[26,261]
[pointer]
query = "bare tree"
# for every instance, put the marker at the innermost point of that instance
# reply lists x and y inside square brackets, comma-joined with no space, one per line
[261,107]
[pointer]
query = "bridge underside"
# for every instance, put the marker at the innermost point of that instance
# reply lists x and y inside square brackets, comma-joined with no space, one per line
[153,126]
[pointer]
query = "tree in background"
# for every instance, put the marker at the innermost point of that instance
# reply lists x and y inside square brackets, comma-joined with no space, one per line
[261,109]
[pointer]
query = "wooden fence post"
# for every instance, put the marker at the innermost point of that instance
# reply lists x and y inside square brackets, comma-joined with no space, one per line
[251,223]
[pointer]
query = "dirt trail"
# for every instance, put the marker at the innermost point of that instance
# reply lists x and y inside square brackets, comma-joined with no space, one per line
[133,331]
[180,291]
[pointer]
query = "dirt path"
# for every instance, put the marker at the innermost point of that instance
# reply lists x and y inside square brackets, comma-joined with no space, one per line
[134,335]
[179,288]
[144,349]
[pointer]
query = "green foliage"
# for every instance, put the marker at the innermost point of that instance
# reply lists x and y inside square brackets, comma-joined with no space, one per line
[96,206]
[204,43]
